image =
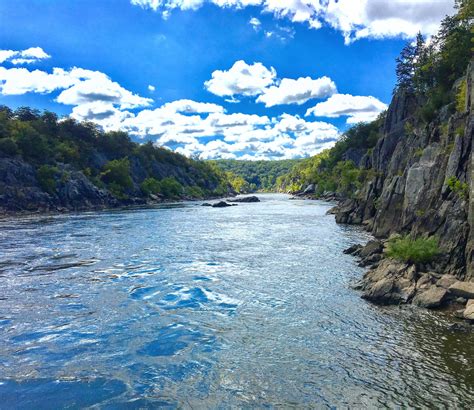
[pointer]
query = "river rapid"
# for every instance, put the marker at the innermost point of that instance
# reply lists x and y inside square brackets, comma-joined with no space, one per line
[184,306]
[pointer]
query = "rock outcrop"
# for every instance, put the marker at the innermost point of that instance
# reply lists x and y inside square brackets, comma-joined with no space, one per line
[415,165]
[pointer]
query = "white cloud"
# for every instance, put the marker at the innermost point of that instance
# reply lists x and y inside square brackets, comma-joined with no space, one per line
[386,18]
[255,23]
[192,107]
[354,18]
[79,86]
[356,108]
[28,56]
[151,88]
[241,79]
[298,91]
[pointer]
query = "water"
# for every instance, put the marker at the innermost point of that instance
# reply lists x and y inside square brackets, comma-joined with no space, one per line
[194,307]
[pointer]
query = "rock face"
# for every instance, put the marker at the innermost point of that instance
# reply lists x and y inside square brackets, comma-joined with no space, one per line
[20,190]
[412,163]
[245,199]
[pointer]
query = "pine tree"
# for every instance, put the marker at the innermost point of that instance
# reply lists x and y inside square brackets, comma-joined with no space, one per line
[406,67]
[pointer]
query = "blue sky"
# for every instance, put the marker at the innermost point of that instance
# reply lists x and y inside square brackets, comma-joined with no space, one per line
[211,78]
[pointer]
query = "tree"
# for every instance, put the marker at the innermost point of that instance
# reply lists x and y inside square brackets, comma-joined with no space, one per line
[405,68]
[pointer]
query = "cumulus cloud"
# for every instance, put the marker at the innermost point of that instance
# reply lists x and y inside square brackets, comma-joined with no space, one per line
[241,79]
[299,91]
[79,86]
[28,56]
[253,80]
[356,108]
[354,18]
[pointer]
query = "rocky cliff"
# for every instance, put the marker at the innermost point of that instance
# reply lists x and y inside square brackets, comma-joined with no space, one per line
[424,186]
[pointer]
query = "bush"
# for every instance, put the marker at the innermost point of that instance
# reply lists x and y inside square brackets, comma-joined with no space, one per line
[194,192]
[117,176]
[406,249]
[8,146]
[46,176]
[171,188]
[461,189]
[150,186]
[461,97]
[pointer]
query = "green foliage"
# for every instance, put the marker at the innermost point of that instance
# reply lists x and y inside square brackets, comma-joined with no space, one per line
[8,146]
[406,249]
[461,97]
[171,188]
[46,175]
[429,70]
[330,171]
[116,175]
[461,189]
[150,186]
[238,183]
[41,139]
[194,192]
[249,176]
[460,131]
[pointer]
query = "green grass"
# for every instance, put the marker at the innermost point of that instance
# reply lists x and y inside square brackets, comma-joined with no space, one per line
[406,249]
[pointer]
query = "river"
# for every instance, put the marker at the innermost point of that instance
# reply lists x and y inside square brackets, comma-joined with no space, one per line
[184,306]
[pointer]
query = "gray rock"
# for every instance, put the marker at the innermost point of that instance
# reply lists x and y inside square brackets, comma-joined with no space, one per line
[309,189]
[446,281]
[353,250]
[469,313]
[371,248]
[433,297]
[245,199]
[463,289]
[222,204]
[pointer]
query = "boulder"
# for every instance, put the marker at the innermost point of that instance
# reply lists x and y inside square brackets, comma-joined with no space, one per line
[353,250]
[310,189]
[469,312]
[372,248]
[425,281]
[463,289]
[446,281]
[431,298]
[221,204]
[206,204]
[245,199]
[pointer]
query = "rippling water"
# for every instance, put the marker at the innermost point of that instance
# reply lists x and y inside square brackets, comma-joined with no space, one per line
[188,306]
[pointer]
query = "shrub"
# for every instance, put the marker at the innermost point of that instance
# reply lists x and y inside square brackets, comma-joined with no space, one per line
[461,97]
[46,176]
[150,186]
[406,249]
[194,192]
[8,146]
[461,189]
[171,188]
[117,176]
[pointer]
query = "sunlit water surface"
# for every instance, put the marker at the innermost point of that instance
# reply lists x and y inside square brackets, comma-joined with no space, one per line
[188,306]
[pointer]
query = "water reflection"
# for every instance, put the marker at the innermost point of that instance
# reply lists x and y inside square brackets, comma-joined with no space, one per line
[190,306]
